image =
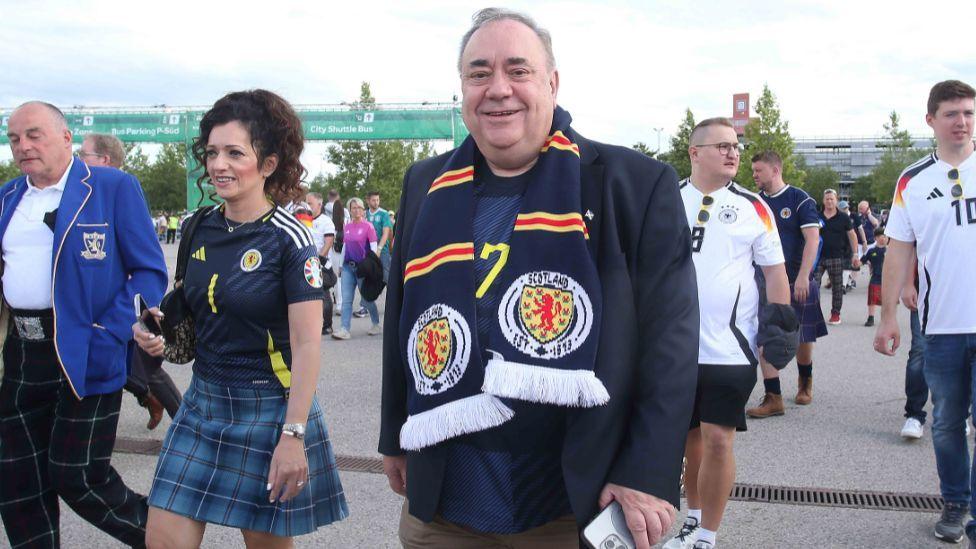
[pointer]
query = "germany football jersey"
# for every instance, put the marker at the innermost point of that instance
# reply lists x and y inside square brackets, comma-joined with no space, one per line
[239,284]
[731,228]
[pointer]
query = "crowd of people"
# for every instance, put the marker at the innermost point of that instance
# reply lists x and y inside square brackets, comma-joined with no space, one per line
[516,407]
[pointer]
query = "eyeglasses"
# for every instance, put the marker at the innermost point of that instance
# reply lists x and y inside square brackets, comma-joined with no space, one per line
[703,215]
[725,148]
[956,183]
[82,154]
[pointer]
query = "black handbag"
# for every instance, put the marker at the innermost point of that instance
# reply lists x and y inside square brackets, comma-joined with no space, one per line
[329,277]
[177,322]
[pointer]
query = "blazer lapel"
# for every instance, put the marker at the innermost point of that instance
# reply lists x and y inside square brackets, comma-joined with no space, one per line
[8,203]
[591,194]
[76,194]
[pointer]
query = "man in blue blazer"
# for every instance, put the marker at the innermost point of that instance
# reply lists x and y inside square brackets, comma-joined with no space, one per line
[545,471]
[77,246]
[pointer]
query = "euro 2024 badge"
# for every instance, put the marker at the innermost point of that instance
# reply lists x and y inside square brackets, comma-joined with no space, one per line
[545,314]
[438,349]
[94,245]
[313,272]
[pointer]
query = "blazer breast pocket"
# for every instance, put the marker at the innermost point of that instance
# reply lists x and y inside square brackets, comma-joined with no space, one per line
[91,243]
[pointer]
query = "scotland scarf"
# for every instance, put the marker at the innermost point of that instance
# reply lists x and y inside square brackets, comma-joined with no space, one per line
[543,343]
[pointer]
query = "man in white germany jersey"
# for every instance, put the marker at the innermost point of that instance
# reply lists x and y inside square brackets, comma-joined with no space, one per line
[934,208]
[731,228]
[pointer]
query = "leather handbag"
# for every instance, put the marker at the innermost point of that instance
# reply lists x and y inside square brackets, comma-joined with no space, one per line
[177,322]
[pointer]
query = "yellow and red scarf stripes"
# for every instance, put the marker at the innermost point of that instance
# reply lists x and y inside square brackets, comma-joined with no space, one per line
[559,141]
[451,178]
[460,251]
[557,223]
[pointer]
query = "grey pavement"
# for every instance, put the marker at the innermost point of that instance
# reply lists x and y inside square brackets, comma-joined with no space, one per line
[847,439]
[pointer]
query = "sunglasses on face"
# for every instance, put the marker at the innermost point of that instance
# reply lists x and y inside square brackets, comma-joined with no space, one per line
[703,215]
[956,190]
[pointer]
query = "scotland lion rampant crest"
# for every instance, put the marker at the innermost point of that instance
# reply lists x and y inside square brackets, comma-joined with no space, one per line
[545,314]
[438,349]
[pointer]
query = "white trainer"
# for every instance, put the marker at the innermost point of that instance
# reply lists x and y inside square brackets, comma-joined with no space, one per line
[376,329]
[686,536]
[341,334]
[913,429]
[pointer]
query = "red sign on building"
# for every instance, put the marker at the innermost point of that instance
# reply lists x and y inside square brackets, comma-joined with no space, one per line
[740,112]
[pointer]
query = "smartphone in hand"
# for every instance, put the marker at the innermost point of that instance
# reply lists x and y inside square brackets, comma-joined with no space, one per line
[609,530]
[146,318]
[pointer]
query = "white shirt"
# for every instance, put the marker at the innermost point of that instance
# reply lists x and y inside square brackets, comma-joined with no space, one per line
[322,226]
[740,230]
[28,246]
[924,211]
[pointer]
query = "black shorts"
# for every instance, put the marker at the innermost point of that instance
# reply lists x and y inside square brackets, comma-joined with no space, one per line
[722,394]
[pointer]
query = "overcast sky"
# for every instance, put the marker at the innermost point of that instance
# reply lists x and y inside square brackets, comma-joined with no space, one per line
[836,67]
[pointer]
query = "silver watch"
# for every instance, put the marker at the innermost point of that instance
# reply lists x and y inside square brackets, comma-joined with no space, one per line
[296,430]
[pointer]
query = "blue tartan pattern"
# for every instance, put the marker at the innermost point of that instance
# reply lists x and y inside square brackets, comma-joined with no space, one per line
[214,463]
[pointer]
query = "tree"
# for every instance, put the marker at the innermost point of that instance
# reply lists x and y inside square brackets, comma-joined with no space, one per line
[818,179]
[899,151]
[677,155]
[363,166]
[164,180]
[642,147]
[8,171]
[769,132]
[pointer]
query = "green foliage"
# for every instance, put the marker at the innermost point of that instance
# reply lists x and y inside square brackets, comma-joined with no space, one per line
[769,132]
[642,147]
[363,166]
[8,171]
[677,155]
[878,187]
[818,179]
[164,180]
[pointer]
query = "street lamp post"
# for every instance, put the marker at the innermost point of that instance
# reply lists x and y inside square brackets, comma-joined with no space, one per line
[658,131]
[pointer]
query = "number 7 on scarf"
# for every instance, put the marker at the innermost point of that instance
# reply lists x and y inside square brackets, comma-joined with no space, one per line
[486,251]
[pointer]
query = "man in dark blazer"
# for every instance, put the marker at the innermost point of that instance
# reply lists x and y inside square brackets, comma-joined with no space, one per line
[630,449]
[78,245]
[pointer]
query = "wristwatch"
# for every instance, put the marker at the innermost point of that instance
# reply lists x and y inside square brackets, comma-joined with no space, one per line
[296,430]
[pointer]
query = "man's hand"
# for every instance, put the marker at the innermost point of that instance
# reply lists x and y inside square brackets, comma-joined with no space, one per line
[856,262]
[801,289]
[887,338]
[395,468]
[909,297]
[648,517]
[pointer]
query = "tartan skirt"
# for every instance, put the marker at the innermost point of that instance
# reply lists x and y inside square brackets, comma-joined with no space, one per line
[216,456]
[808,313]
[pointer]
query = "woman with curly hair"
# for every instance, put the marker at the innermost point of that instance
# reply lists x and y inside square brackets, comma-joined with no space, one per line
[248,448]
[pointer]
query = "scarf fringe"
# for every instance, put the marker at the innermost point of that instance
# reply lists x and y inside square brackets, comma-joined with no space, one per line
[459,417]
[579,388]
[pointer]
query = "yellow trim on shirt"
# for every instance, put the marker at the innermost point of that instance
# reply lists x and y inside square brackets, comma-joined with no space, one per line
[278,364]
[210,293]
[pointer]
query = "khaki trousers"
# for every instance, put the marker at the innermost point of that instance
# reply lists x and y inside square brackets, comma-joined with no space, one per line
[441,534]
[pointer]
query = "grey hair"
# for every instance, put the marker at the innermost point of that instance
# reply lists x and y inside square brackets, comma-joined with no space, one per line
[355,201]
[315,195]
[108,145]
[491,15]
[59,118]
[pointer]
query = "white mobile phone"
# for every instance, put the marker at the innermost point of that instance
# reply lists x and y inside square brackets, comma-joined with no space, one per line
[609,530]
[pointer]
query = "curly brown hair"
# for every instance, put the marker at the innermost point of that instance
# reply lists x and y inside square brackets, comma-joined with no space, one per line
[275,129]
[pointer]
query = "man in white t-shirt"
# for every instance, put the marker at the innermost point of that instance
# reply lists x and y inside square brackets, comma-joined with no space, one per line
[731,228]
[934,208]
[323,233]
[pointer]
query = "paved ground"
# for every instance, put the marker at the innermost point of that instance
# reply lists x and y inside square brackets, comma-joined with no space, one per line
[848,439]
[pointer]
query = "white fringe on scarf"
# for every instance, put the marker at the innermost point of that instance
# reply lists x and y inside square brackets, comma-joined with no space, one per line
[467,415]
[580,388]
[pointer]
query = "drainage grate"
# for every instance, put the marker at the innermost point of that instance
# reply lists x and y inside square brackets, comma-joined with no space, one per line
[759,493]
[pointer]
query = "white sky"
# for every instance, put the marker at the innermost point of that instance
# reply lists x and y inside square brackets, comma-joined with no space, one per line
[836,67]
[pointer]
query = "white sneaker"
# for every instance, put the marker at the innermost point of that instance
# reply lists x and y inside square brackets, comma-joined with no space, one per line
[702,544]
[375,330]
[913,429]
[686,536]
[341,334]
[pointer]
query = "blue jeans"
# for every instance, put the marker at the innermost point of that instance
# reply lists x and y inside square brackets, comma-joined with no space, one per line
[916,390]
[949,363]
[349,285]
[385,259]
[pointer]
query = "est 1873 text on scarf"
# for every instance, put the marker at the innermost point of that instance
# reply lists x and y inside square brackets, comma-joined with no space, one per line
[544,340]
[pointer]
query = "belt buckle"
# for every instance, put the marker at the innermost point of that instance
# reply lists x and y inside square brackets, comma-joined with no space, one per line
[29,328]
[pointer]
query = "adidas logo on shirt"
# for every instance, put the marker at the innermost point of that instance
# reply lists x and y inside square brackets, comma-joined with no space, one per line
[200,254]
[936,193]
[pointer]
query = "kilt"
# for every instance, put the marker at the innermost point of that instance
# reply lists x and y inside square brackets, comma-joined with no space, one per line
[809,314]
[215,459]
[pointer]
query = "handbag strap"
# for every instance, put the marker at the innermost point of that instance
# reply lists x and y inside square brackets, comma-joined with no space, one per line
[183,254]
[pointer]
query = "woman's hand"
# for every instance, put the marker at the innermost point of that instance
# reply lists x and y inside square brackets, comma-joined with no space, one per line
[151,343]
[289,469]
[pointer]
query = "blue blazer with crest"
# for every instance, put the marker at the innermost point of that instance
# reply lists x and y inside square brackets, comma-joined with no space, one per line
[105,251]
